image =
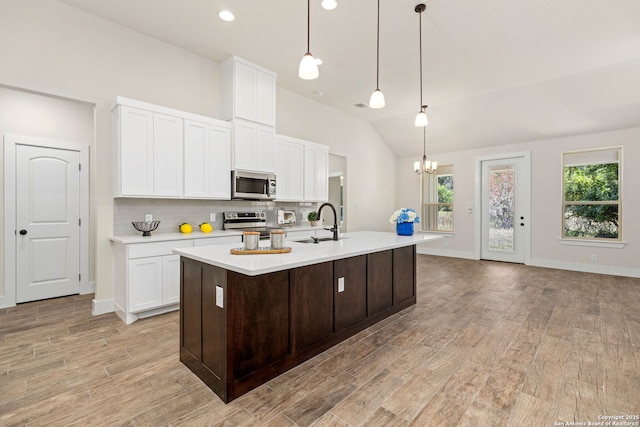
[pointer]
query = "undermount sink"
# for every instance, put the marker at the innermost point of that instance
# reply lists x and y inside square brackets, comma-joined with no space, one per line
[318,239]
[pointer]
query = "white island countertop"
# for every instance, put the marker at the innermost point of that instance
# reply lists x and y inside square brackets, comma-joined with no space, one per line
[349,245]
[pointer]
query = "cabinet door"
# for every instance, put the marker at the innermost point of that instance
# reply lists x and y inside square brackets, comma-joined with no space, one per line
[135,148]
[316,174]
[311,304]
[265,98]
[379,282]
[170,279]
[245,91]
[196,142]
[350,287]
[244,145]
[168,137]
[219,165]
[404,273]
[295,172]
[145,283]
[288,158]
[207,161]
[264,148]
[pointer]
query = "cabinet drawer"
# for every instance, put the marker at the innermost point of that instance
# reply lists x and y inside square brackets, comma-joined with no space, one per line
[156,248]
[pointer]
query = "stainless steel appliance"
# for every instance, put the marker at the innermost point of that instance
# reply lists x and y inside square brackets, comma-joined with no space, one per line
[247,185]
[247,221]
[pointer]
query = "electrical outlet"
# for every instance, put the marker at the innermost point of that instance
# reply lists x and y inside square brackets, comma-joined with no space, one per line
[340,284]
[148,217]
[212,217]
[594,258]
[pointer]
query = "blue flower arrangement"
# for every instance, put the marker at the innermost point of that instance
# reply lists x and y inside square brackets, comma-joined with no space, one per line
[404,215]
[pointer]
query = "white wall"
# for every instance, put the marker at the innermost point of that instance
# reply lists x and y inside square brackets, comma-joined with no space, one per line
[49,47]
[31,114]
[371,189]
[546,198]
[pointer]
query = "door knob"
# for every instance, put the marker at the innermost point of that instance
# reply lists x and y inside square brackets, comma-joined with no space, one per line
[23,232]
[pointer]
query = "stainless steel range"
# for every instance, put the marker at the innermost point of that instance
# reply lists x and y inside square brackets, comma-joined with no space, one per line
[247,221]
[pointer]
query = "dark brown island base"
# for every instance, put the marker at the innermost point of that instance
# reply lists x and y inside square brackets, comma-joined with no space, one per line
[238,331]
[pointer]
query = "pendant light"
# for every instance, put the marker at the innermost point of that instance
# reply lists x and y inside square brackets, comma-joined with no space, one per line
[377,97]
[425,166]
[308,67]
[421,117]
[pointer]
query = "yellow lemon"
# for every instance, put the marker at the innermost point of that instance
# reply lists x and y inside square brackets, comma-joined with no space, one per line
[205,227]
[186,228]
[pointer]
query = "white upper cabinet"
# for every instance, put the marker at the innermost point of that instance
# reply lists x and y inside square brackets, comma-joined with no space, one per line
[207,160]
[316,173]
[148,153]
[252,146]
[161,152]
[168,143]
[289,168]
[248,91]
[134,152]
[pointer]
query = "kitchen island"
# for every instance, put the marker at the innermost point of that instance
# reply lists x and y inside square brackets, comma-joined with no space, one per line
[245,319]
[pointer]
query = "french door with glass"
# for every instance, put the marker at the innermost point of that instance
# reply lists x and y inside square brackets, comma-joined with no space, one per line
[504,194]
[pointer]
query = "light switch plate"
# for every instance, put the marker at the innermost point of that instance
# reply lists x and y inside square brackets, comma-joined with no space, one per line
[340,284]
[212,217]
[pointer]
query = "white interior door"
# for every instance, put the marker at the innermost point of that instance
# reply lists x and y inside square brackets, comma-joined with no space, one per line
[503,217]
[47,222]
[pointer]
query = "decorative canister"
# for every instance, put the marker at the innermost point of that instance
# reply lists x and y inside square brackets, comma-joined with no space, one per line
[404,228]
[251,239]
[277,238]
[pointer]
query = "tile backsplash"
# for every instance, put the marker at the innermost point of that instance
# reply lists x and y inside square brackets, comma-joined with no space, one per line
[172,212]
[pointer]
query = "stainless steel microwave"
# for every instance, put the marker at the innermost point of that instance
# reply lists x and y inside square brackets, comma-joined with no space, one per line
[248,185]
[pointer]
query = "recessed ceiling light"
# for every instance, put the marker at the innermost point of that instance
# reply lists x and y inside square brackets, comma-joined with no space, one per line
[226,15]
[329,4]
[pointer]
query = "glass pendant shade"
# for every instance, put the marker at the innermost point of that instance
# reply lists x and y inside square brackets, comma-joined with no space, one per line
[425,166]
[421,119]
[308,67]
[377,99]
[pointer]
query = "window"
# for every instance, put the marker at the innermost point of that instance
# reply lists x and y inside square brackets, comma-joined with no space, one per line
[591,205]
[437,200]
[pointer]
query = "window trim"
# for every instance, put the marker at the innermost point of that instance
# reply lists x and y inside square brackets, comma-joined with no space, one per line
[592,241]
[423,220]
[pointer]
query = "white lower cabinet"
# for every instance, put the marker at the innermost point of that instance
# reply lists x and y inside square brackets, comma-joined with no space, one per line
[147,275]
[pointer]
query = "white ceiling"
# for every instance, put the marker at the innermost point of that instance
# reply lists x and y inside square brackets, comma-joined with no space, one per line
[495,72]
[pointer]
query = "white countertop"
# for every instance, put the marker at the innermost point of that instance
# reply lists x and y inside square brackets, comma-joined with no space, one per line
[127,239]
[349,245]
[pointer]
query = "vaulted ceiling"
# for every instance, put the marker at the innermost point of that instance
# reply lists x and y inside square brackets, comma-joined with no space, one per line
[495,72]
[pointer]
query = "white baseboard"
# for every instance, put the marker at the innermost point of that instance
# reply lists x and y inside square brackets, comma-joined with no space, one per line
[102,306]
[443,252]
[587,268]
[560,265]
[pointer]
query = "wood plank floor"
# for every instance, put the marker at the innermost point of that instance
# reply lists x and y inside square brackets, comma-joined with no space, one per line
[487,344]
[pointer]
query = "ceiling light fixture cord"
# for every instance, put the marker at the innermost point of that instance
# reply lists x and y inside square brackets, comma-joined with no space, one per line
[377,97]
[308,69]
[421,117]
